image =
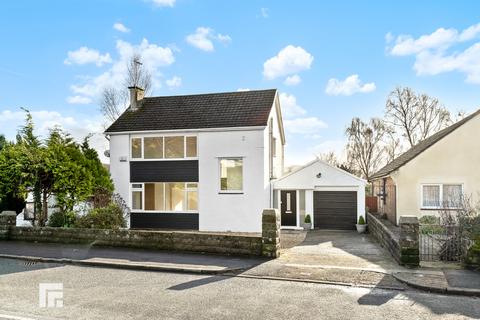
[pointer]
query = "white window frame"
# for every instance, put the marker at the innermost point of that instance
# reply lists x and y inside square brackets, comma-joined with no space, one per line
[163,146]
[142,189]
[440,185]
[219,179]
[185,198]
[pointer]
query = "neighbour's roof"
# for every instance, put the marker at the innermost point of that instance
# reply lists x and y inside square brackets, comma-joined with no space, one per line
[414,151]
[198,111]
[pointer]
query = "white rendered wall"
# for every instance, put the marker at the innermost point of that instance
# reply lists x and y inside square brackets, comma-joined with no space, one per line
[232,212]
[120,171]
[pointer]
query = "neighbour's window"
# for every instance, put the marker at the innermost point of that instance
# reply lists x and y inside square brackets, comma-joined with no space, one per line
[153,147]
[136,147]
[191,143]
[452,195]
[231,175]
[174,147]
[165,196]
[441,195]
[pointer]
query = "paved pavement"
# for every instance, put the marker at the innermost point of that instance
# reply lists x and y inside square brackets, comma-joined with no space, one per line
[101,293]
[125,258]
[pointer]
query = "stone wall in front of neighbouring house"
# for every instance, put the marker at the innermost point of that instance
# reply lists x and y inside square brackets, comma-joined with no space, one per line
[252,244]
[402,242]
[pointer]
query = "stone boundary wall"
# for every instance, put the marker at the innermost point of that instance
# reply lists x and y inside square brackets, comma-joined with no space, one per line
[402,242]
[266,244]
[388,238]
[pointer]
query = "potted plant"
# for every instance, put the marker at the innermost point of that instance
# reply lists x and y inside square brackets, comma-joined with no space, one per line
[307,222]
[361,225]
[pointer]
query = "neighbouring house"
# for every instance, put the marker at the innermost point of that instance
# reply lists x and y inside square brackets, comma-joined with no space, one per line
[434,174]
[202,161]
[333,198]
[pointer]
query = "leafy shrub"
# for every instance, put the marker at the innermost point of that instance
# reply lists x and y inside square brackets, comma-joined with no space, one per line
[60,219]
[308,219]
[428,220]
[473,256]
[109,217]
[361,220]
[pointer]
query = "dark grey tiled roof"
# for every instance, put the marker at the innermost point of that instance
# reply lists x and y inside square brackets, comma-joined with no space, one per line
[419,148]
[214,110]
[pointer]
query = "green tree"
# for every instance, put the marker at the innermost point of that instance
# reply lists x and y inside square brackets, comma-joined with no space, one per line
[57,166]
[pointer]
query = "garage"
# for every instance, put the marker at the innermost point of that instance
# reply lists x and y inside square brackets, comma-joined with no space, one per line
[330,196]
[335,209]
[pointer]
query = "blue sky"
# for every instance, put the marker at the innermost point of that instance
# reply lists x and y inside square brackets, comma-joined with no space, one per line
[341,58]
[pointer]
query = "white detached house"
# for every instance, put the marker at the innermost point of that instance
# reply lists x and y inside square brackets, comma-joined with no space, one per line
[202,162]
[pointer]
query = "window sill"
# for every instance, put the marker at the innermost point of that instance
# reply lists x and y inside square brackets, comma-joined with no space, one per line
[230,192]
[439,208]
[152,211]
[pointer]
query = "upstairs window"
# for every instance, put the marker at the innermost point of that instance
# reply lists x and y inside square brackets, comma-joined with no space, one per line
[153,147]
[174,147]
[164,147]
[137,148]
[231,175]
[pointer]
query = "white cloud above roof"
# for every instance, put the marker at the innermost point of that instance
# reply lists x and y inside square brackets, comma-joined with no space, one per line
[350,85]
[290,60]
[441,51]
[204,37]
[85,55]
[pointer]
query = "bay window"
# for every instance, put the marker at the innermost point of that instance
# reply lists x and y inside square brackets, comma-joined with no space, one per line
[436,196]
[165,196]
[164,147]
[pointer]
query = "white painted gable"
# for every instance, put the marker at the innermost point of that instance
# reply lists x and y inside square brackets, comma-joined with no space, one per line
[318,174]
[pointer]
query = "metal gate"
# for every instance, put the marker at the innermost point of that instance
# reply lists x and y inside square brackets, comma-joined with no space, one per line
[441,243]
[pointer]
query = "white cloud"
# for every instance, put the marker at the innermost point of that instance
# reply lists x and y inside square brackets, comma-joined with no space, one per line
[85,55]
[349,86]
[289,105]
[264,12]
[243,89]
[290,60]
[78,100]
[163,3]
[292,80]
[121,27]
[153,56]
[442,51]
[306,126]
[174,82]
[45,120]
[203,38]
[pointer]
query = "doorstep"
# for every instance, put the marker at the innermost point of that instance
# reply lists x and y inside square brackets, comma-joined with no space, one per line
[291,228]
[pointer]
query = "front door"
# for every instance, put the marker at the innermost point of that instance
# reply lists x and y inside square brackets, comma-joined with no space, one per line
[288,208]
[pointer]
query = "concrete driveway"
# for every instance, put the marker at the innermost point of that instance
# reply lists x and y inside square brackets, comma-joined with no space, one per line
[332,248]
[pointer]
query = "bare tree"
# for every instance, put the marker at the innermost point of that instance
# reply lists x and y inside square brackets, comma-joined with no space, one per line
[393,144]
[366,148]
[416,117]
[115,100]
[330,158]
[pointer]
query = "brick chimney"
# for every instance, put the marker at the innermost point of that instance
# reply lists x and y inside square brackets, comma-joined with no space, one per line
[136,97]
